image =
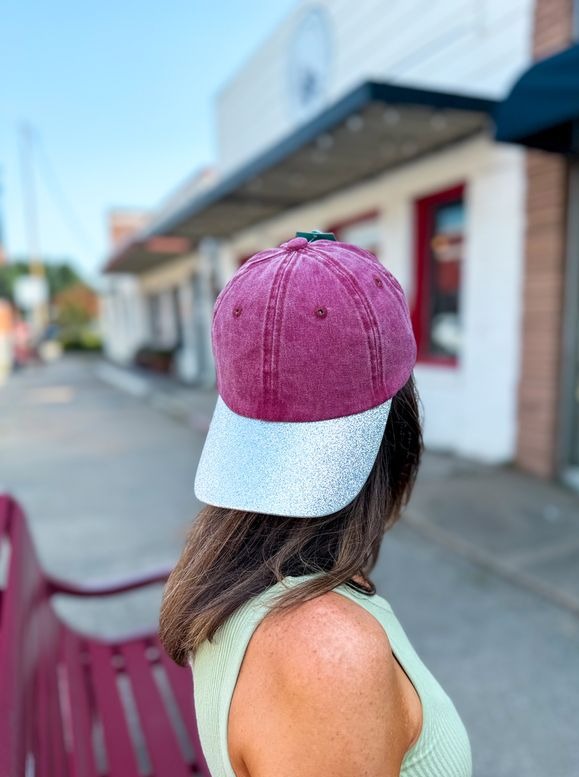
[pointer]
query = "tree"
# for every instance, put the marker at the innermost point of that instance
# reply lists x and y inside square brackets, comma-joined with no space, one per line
[60,275]
[76,306]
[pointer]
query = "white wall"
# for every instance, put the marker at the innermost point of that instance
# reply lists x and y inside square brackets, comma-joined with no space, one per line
[125,308]
[124,319]
[193,362]
[170,273]
[470,409]
[471,46]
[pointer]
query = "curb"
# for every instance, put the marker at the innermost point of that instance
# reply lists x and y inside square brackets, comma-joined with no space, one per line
[138,386]
[489,563]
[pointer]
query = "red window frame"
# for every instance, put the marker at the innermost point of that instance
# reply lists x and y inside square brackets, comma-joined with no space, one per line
[424,212]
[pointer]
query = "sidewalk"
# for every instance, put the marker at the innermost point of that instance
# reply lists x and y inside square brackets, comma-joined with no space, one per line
[521,528]
[517,526]
[192,406]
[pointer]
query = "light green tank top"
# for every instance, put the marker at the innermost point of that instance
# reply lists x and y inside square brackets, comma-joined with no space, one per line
[443,747]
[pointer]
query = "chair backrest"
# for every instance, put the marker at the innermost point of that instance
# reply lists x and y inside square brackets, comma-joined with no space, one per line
[65,697]
[29,642]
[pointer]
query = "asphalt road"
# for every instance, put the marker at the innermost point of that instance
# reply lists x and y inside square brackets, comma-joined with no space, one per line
[107,482]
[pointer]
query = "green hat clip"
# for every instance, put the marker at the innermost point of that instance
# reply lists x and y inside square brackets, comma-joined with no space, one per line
[315,234]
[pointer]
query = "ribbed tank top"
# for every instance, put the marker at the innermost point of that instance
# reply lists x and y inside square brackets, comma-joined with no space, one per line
[441,750]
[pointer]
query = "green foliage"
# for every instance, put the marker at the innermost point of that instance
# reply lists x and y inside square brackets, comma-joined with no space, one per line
[81,340]
[73,304]
[76,306]
[8,275]
[73,316]
[59,276]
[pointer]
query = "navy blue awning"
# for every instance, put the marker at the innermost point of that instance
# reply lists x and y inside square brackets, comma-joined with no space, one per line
[542,109]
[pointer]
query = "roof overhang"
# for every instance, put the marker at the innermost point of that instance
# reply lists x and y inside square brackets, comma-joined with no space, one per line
[143,252]
[542,109]
[375,128]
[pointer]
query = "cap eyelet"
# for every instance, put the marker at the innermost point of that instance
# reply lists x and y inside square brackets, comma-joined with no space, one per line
[321,312]
[378,281]
[237,311]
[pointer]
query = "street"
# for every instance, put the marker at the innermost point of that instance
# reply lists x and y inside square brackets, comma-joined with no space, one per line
[107,482]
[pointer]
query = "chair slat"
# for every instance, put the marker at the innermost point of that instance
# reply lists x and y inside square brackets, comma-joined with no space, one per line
[44,766]
[53,761]
[82,755]
[56,723]
[51,631]
[121,754]
[4,512]
[161,739]
[181,683]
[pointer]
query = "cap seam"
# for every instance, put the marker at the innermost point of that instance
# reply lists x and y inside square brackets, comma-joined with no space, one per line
[221,297]
[243,270]
[376,264]
[255,260]
[269,327]
[373,328]
[278,327]
[363,254]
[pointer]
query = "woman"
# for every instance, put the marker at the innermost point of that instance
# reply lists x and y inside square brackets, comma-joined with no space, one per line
[300,668]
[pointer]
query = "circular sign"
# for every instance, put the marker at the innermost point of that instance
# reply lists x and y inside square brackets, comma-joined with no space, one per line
[309,62]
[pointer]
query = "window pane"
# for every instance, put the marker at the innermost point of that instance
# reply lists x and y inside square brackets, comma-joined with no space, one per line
[444,276]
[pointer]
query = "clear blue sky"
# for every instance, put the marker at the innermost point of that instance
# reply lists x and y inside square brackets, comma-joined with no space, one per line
[122,95]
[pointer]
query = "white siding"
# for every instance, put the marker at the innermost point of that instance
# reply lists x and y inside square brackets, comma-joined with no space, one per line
[469,46]
[124,321]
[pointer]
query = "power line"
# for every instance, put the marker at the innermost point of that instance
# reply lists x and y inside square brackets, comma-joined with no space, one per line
[62,203]
[29,200]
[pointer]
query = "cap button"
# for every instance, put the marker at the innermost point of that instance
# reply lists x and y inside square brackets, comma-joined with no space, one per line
[295,244]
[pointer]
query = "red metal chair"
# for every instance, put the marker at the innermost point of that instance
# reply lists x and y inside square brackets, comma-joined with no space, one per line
[73,705]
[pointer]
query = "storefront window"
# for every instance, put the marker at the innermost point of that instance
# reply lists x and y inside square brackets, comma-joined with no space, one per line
[440,254]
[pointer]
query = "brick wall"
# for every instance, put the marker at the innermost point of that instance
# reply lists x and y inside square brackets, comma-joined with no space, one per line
[124,223]
[539,389]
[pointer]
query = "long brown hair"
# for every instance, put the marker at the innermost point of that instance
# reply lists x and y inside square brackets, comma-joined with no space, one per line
[232,555]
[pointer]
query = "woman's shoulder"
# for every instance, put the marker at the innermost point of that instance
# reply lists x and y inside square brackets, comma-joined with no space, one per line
[321,666]
[328,647]
[327,630]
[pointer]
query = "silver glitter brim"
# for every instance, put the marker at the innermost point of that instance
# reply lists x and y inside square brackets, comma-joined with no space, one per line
[295,468]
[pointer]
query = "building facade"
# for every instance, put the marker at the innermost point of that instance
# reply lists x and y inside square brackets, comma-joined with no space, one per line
[407,167]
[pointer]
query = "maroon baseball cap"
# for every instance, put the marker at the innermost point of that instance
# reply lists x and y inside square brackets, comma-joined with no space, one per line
[311,341]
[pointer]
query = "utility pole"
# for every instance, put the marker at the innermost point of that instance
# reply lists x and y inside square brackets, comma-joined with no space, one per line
[39,313]
[2,245]
[6,321]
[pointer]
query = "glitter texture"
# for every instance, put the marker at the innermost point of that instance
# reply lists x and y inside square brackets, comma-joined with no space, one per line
[294,468]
